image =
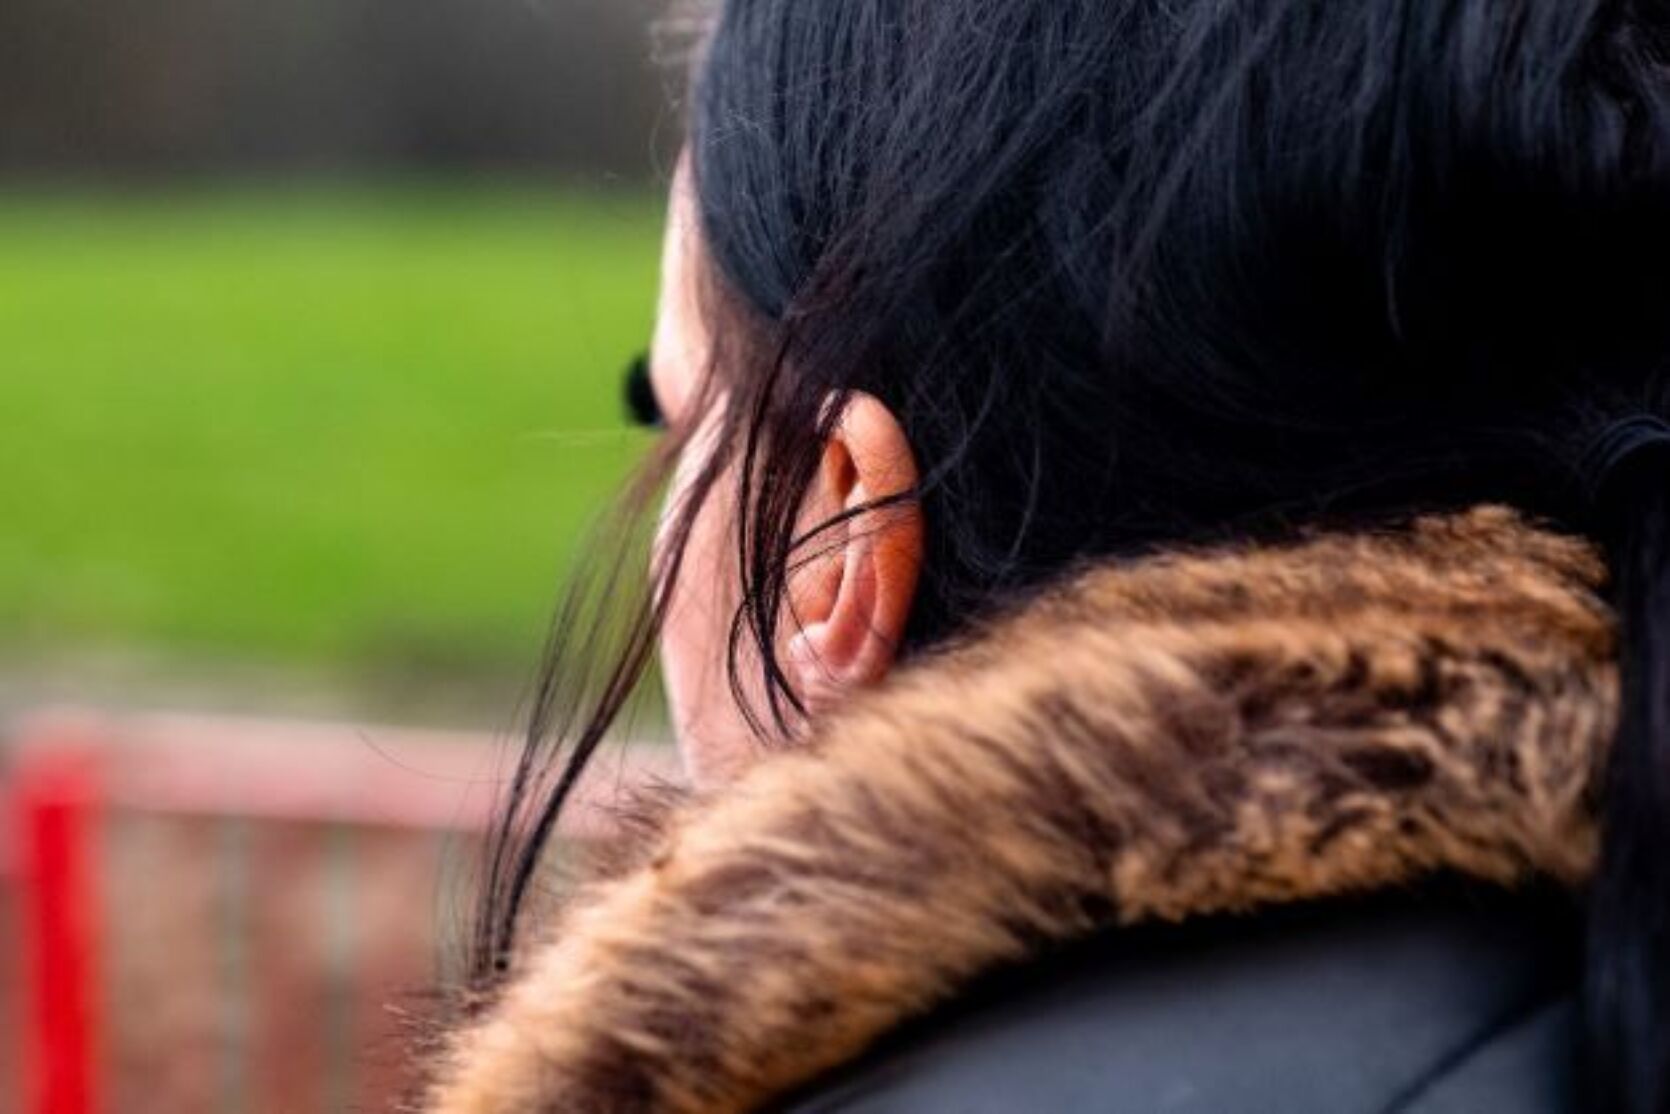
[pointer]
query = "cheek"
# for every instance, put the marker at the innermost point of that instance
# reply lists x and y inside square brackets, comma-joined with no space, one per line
[713,736]
[691,631]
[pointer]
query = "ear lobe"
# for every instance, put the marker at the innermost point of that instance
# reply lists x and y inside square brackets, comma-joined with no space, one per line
[852,607]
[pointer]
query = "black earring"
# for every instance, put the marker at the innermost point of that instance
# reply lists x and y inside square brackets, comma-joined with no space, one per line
[641,405]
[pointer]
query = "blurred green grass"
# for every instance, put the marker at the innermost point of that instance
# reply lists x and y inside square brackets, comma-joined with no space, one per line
[348,428]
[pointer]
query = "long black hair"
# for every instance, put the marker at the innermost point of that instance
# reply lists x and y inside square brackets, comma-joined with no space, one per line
[1135,272]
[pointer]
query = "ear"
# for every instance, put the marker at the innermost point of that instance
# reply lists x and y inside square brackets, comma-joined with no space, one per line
[850,602]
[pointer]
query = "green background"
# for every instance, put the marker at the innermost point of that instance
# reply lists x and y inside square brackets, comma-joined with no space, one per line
[357,429]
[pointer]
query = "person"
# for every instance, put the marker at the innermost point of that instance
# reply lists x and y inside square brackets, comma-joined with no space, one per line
[1164,584]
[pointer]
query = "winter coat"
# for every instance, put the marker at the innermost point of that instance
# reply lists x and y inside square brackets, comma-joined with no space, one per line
[1283,828]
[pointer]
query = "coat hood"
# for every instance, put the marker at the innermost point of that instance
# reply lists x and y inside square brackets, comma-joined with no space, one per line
[1188,734]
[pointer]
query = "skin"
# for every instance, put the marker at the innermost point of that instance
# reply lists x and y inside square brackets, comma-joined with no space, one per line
[848,609]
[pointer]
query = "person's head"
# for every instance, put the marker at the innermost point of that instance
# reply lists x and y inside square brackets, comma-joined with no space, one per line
[959,293]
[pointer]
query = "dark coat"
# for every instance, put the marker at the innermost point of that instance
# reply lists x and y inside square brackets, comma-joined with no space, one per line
[1101,845]
[1456,1003]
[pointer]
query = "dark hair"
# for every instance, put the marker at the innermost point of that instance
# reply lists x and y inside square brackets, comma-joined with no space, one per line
[1133,272]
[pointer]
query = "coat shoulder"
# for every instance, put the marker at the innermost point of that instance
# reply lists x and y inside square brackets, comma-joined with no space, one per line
[1450,1003]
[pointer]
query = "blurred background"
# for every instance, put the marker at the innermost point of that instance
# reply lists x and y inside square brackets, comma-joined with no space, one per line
[312,317]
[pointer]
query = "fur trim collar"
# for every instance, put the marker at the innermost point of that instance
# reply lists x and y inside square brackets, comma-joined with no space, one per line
[1184,735]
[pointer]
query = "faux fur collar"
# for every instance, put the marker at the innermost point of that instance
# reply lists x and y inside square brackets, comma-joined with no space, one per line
[1192,734]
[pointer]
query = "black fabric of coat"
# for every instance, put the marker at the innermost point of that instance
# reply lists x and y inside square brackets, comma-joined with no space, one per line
[1452,1003]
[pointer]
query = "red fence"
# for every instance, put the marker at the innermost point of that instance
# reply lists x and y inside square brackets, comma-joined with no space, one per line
[233,915]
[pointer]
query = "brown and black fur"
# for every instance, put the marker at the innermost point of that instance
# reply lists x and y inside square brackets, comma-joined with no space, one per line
[1185,735]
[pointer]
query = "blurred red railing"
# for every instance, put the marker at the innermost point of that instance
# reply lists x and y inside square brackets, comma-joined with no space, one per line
[220,914]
